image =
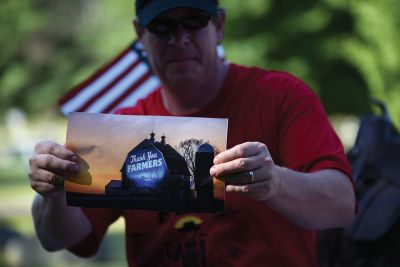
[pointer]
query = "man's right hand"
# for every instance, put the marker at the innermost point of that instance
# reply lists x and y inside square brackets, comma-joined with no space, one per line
[49,165]
[55,222]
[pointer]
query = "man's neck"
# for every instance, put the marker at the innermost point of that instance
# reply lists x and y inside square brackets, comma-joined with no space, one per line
[190,98]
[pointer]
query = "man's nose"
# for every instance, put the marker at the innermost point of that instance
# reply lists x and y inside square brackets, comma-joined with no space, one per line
[180,37]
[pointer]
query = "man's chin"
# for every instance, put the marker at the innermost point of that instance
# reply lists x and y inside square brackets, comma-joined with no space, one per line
[182,66]
[182,79]
[179,74]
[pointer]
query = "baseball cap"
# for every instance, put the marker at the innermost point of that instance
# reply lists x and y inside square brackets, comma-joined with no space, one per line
[146,10]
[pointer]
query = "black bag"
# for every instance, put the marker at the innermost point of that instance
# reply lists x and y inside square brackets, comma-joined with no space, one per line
[375,159]
[374,237]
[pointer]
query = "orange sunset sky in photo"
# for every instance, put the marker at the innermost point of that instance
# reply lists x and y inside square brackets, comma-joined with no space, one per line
[102,141]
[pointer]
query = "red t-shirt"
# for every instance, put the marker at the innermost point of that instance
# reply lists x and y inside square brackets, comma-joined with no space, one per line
[271,107]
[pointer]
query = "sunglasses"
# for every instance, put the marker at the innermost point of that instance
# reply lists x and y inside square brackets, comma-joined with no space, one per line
[165,26]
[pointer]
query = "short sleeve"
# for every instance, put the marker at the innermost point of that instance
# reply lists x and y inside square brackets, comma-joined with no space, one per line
[100,220]
[307,140]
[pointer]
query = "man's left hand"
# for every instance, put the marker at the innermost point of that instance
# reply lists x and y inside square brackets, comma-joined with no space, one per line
[247,168]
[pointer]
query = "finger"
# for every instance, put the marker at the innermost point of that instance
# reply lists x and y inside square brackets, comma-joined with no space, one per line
[258,191]
[44,176]
[244,150]
[241,164]
[242,178]
[236,178]
[248,188]
[52,148]
[237,188]
[46,188]
[52,163]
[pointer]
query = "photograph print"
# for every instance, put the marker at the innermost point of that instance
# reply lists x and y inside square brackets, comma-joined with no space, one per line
[145,162]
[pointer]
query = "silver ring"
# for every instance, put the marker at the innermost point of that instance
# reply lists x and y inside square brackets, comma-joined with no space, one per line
[251,177]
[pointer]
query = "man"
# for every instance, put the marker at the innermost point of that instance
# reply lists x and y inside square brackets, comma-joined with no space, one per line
[285,167]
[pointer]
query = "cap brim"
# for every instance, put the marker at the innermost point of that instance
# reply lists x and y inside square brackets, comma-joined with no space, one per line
[155,8]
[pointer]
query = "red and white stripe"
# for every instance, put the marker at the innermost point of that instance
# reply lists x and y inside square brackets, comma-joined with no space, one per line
[120,83]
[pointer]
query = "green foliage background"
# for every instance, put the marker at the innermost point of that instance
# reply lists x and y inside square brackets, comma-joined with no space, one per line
[346,50]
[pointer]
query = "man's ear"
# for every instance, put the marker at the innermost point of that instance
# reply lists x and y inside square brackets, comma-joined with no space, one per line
[138,29]
[220,22]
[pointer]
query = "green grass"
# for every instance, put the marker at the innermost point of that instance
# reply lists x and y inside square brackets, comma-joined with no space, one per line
[15,174]
[15,201]
[30,253]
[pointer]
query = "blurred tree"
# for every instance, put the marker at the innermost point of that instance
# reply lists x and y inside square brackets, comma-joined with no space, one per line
[345,49]
[48,46]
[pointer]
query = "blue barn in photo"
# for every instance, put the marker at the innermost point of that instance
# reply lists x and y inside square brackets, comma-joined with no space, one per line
[153,168]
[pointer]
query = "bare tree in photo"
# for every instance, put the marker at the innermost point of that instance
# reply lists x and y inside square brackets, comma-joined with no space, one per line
[187,148]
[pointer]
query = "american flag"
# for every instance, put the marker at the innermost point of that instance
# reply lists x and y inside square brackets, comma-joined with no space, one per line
[119,83]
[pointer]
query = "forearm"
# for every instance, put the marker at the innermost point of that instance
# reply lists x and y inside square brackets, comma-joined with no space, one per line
[57,225]
[320,200]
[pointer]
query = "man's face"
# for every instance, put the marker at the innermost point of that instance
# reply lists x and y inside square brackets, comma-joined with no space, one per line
[180,51]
